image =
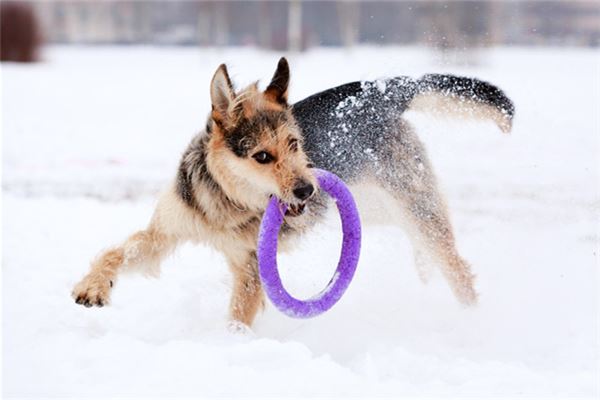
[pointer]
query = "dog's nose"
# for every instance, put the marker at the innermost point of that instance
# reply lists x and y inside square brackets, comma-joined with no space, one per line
[304,190]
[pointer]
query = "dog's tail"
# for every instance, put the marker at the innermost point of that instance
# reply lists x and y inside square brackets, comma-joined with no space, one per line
[466,97]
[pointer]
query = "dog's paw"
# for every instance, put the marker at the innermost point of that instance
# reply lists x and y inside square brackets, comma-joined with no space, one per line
[93,290]
[239,328]
[467,295]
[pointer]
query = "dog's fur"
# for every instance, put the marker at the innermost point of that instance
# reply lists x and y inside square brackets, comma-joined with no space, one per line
[256,145]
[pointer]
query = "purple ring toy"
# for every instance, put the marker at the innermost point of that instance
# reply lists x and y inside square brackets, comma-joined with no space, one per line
[267,252]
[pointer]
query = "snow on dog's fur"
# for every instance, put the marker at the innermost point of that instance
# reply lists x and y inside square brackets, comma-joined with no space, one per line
[256,145]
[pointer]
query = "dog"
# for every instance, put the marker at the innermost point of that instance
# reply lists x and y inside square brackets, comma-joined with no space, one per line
[256,145]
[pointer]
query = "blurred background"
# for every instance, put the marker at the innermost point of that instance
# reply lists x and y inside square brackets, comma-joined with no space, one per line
[299,25]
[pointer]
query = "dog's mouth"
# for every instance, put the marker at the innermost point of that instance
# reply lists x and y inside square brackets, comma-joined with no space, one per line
[294,210]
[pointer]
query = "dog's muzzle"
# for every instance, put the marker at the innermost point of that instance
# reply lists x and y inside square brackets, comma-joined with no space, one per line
[295,210]
[303,190]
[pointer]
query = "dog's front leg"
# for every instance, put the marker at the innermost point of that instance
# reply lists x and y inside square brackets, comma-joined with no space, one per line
[247,296]
[144,248]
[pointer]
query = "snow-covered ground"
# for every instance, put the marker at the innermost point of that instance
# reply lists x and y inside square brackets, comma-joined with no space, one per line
[92,134]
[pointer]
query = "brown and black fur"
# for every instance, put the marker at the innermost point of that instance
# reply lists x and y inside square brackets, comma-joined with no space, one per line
[257,145]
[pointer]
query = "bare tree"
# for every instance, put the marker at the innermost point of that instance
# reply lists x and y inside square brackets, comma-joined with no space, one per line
[265,26]
[294,25]
[348,15]
[221,23]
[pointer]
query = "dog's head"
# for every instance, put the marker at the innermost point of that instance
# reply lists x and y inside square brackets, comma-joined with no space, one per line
[255,146]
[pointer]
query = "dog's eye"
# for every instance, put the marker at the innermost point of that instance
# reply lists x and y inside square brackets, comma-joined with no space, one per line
[262,157]
[293,144]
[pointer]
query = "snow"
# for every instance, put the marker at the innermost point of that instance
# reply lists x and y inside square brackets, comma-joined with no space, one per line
[92,134]
[380,83]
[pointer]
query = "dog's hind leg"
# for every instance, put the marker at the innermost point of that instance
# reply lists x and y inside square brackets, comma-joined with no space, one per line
[432,231]
[422,264]
[408,176]
[145,248]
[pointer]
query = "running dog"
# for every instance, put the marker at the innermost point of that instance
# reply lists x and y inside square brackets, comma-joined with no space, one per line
[256,145]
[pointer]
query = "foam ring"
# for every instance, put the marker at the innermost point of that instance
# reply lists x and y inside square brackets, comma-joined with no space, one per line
[267,252]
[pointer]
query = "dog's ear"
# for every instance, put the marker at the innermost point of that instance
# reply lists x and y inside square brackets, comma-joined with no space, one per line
[278,88]
[222,94]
